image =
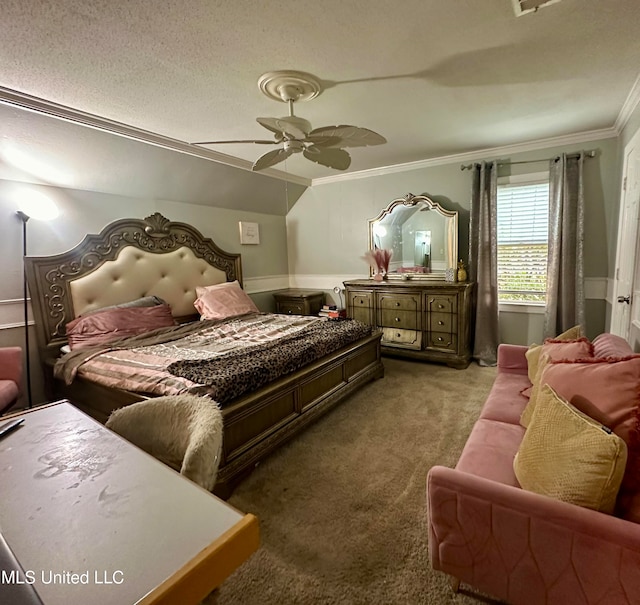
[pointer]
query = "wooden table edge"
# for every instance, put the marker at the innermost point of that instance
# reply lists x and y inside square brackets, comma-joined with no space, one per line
[209,568]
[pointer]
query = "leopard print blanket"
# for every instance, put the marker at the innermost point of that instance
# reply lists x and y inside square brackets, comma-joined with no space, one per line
[243,371]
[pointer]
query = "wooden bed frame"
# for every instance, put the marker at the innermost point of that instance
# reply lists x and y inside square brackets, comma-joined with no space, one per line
[254,425]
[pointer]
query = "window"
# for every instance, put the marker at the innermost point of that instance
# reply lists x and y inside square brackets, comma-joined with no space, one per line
[523,225]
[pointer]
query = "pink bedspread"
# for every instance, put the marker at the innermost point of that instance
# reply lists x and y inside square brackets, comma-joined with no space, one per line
[160,362]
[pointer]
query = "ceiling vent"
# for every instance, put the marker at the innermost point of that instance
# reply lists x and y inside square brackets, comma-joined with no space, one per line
[524,7]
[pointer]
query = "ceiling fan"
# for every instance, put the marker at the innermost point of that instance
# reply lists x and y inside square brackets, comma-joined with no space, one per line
[294,134]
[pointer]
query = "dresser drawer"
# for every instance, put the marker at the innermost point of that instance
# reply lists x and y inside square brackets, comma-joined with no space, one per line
[407,339]
[407,320]
[399,302]
[290,308]
[360,299]
[442,303]
[443,341]
[443,322]
[360,306]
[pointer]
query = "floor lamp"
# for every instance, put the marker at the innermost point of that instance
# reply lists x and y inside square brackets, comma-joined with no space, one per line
[42,208]
[24,218]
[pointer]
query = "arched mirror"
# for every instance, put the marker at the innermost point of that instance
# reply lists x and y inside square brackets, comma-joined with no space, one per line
[422,236]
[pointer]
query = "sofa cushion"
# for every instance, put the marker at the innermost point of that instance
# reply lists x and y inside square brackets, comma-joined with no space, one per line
[533,352]
[553,350]
[490,450]
[567,455]
[505,403]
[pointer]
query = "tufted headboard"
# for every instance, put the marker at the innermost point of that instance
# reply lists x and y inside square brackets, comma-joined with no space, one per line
[128,259]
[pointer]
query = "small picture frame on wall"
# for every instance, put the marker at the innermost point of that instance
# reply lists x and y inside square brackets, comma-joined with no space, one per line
[249,233]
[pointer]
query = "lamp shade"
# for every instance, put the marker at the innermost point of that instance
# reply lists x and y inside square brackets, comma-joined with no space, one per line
[37,205]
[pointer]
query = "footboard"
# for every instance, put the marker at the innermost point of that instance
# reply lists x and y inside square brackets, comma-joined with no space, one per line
[257,424]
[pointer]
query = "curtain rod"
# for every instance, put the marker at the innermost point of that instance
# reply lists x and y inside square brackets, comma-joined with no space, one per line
[587,154]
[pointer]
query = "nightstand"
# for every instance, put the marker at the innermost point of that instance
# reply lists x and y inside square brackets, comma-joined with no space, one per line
[299,302]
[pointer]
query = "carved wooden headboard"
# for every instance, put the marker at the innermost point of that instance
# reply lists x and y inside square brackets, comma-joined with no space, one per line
[128,259]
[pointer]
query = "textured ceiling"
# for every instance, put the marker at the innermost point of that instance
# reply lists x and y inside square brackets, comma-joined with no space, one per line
[435,77]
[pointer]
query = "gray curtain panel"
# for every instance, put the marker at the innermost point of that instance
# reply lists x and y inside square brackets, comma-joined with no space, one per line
[483,261]
[565,265]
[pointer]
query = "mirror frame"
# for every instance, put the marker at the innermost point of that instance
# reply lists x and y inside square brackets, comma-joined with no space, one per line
[413,200]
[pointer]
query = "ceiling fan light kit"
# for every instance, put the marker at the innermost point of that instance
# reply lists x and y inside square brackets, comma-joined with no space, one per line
[321,145]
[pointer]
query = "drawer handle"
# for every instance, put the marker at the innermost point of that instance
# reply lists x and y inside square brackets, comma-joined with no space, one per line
[361,302]
[398,335]
[397,304]
[440,306]
[440,338]
[398,319]
[440,322]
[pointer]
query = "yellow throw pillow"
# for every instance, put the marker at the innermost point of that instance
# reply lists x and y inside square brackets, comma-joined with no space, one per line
[527,413]
[534,350]
[567,455]
[533,358]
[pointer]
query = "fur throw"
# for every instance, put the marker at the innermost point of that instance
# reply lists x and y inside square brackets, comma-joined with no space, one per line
[183,431]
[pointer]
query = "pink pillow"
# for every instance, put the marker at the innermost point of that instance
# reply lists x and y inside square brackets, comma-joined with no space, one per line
[223,301]
[610,345]
[608,390]
[567,349]
[102,327]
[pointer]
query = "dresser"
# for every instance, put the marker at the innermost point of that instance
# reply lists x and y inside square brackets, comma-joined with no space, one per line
[427,320]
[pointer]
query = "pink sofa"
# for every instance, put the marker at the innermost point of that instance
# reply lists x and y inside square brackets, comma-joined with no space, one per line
[10,376]
[518,546]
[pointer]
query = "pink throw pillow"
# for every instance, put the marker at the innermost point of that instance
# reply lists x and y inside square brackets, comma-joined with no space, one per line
[102,327]
[610,345]
[606,389]
[567,349]
[223,301]
[551,350]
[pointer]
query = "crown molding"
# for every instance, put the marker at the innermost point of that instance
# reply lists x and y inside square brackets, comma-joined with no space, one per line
[482,154]
[68,114]
[629,106]
[42,106]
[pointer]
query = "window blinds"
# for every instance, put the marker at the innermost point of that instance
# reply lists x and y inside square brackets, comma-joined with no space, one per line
[523,222]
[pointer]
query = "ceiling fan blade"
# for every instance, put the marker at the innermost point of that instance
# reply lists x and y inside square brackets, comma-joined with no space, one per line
[270,158]
[347,136]
[259,142]
[282,126]
[332,158]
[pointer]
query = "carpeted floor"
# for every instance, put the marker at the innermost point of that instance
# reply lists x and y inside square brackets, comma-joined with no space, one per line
[342,507]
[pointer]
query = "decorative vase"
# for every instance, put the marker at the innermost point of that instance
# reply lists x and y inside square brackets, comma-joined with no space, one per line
[462,272]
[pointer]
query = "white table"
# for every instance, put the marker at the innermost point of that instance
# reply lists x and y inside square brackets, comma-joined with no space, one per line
[78,499]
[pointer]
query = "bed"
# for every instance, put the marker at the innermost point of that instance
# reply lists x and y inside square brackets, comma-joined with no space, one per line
[134,259]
